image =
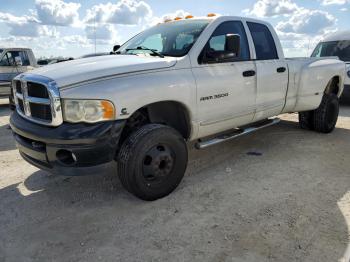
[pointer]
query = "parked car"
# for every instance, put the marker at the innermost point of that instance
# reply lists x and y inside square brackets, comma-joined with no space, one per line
[14,61]
[207,80]
[337,44]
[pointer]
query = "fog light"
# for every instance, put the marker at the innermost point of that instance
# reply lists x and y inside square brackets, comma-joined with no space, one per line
[66,157]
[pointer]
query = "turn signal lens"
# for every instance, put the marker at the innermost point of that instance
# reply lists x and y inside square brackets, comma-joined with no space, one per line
[108,110]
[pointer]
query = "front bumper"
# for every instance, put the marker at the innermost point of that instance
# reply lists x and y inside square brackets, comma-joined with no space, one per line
[69,149]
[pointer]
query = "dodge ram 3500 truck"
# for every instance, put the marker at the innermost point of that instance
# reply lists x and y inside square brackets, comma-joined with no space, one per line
[207,80]
[337,44]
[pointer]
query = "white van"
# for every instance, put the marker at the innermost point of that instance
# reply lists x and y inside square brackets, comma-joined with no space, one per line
[337,44]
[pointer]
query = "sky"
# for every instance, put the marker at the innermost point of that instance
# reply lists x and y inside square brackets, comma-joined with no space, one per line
[68,27]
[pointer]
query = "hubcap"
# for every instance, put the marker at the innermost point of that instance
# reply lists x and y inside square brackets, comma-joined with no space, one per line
[157,164]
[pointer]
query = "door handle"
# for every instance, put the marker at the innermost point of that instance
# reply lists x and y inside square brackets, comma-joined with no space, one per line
[281,70]
[249,73]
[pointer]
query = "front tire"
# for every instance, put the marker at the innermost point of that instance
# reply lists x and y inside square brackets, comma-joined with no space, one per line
[326,116]
[152,161]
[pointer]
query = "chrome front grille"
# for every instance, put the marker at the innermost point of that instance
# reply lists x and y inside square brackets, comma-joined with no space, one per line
[37,99]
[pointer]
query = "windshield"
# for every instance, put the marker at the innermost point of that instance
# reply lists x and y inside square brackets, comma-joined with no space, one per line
[340,49]
[168,39]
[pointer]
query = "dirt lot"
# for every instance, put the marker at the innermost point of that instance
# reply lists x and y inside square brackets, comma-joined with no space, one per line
[282,194]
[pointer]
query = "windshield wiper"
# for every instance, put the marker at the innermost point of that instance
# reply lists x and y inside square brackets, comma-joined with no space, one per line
[155,52]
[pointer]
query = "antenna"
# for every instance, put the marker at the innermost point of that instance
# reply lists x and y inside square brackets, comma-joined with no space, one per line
[308,48]
[95,31]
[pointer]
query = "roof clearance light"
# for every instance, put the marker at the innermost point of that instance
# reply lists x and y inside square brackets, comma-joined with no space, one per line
[189,16]
[211,15]
[178,18]
[167,20]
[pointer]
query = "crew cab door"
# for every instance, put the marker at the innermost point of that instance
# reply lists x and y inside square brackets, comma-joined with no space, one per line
[272,73]
[225,87]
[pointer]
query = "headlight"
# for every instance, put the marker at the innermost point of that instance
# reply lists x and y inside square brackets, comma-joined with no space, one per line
[89,111]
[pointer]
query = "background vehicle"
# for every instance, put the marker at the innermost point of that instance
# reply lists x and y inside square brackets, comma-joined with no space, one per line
[14,61]
[50,61]
[208,79]
[94,54]
[337,44]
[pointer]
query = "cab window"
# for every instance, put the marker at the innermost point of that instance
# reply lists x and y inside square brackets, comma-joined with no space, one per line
[264,43]
[217,42]
[9,58]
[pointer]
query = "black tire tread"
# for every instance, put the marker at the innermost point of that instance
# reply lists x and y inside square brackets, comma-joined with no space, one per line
[320,114]
[127,150]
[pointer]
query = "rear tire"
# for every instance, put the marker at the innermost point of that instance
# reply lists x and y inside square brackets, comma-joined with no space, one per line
[326,116]
[306,120]
[152,161]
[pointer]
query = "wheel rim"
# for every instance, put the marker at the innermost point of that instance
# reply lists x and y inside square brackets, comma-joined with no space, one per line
[158,164]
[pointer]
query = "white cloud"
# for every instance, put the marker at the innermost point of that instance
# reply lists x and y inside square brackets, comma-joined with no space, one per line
[271,8]
[21,26]
[101,32]
[57,12]
[49,31]
[77,40]
[307,22]
[335,2]
[125,12]
[299,28]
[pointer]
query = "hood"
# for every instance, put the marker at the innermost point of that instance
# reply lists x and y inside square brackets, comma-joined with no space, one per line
[80,70]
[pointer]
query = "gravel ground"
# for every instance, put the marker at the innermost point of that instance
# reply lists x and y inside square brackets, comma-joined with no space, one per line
[281,194]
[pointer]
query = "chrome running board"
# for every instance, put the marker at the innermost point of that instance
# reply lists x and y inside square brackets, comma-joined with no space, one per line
[236,133]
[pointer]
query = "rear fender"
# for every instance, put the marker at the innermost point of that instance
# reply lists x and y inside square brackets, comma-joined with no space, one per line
[316,79]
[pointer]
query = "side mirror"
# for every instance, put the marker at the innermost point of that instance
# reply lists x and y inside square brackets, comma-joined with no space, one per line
[18,61]
[115,48]
[233,44]
[231,51]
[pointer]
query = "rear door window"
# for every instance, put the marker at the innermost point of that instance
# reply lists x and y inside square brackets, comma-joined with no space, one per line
[264,43]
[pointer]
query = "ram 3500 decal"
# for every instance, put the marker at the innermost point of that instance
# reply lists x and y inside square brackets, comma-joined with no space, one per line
[206,98]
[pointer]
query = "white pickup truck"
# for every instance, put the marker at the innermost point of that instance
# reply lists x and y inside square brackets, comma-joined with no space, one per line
[14,61]
[197,79]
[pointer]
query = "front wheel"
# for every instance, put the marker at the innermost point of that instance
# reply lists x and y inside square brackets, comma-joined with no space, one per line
[152,161]
[326,116]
